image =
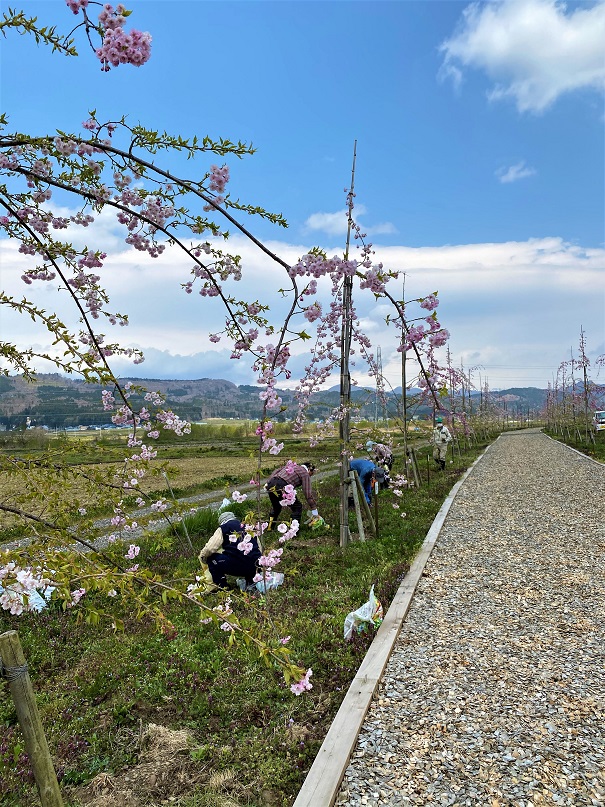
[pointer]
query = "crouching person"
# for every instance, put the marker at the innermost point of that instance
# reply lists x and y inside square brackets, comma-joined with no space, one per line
[366,471]
[231,550]
[291,476]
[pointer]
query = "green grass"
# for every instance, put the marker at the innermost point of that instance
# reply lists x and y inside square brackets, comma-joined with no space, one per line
[595,450]
[95,689]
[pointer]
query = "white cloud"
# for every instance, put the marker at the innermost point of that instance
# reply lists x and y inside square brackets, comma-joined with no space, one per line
[330,223]
[534,50]
[336,223]
[508,306]
[515,172]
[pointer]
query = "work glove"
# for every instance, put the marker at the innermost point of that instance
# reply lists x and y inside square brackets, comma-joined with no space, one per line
[316,522]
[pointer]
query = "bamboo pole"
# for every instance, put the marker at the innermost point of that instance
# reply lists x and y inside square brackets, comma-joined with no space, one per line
[345,378]
[375,492]
[14,668]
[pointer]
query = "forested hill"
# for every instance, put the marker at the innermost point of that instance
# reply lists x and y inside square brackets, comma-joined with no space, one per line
[59,401]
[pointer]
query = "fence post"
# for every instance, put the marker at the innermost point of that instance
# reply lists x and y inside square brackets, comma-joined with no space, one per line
[13,667]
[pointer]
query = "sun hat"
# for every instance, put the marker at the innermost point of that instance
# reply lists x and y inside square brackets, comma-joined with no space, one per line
[225,517]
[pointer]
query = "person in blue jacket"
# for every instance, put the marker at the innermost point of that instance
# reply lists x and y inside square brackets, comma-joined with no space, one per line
[365,470]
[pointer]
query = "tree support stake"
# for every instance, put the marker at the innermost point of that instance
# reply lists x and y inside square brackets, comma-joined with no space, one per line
[13,668]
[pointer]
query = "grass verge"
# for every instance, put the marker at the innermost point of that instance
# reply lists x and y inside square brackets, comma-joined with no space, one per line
[595,450]
[251,740]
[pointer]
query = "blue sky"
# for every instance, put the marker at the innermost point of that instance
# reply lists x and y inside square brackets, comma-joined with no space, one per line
[480,158]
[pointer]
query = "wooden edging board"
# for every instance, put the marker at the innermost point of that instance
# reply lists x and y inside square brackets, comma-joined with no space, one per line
[322,783]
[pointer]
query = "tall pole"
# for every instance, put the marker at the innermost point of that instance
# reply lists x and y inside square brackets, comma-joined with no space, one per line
[345,376]
[404,387]
[584,361]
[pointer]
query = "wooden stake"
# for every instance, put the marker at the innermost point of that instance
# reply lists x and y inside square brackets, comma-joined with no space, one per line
[415,470]
[14,669]
[365,505]
[355,493]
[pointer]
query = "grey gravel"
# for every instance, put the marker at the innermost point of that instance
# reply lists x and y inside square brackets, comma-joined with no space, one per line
[495,692]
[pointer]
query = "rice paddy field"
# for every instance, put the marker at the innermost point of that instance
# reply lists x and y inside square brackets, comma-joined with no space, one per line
[224,456]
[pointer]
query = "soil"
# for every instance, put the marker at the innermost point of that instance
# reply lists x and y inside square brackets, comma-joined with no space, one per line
[166,771]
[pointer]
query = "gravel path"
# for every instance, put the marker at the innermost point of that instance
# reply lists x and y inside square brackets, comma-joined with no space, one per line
[495,692]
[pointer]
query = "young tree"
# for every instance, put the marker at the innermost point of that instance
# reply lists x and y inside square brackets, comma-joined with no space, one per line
[119,169]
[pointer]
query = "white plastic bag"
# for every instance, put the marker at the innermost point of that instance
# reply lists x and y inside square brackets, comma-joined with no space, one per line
[370,613]
[271,580]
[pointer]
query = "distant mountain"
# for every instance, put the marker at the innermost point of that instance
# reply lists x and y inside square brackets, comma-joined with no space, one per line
[58,401]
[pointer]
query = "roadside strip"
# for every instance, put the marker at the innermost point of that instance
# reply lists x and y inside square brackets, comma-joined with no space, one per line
[322,783]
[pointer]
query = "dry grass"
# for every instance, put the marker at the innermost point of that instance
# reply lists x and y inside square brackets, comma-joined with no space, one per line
[79,492]
[187,472]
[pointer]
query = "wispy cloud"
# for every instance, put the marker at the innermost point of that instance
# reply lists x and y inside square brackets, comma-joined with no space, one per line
[533,50]
[515,172]
[336,223]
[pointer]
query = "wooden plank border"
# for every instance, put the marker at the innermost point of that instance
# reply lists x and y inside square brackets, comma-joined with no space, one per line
[323,781]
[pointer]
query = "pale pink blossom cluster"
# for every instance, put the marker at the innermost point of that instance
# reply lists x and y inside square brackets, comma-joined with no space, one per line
[317,265]
[119,519]
[108,400]
[398,484]
[265,429]
[154,398]
[17,585]
[430,302]
[289,495]
[224,609]
[76,596]
[313,311]
[160,506]
[303,685]
[288,532]
[439,338]
[269,561]
[245,545]
[145,453]
[271,398]
[219,176]
[173,423]
[76,5]
[120,47]
[239,497]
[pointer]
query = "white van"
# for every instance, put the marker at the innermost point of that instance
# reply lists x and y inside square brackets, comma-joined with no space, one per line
[598,421]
